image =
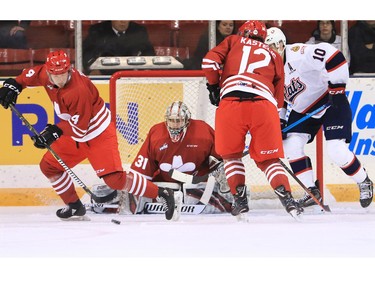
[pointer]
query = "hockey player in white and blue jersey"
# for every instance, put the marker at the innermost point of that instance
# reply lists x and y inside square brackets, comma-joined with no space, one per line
[316,75]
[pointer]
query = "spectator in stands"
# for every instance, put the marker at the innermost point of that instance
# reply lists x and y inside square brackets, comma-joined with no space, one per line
[12,34]
[361,40]
[115,38]
[325,32]
[224,28]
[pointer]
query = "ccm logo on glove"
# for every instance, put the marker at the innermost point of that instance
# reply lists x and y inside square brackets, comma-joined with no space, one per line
[336,89]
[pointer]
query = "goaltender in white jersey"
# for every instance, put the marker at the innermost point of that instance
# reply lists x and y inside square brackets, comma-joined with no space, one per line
[316,75]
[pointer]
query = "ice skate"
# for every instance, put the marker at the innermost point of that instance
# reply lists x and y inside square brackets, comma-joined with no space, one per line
[307,200]
[289,203]
[240,204]
[366,192]
[166,197]
[73,212]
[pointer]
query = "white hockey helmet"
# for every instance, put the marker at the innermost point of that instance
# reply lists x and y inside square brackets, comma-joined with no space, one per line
[274,37]
[102,190]
[177,118]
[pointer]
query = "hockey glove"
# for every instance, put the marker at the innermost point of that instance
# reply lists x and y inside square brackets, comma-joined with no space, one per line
[47,136]
[214,94]
[283,126]
[336,89]
[333,90]
[9,92]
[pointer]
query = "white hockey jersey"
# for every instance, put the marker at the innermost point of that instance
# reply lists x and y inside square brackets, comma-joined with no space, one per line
[308,68]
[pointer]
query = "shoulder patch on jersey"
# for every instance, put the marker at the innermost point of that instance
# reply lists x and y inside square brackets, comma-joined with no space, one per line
[295,48]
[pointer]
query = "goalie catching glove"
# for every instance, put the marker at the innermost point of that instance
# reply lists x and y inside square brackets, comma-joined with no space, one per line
[9,92]
[47,136]
[214,94]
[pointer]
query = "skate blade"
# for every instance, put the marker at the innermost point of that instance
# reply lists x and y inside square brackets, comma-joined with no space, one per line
[242,217]
[296,216]
[77,218]
[178,201]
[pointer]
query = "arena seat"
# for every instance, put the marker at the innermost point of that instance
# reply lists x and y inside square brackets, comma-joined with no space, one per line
[13,61]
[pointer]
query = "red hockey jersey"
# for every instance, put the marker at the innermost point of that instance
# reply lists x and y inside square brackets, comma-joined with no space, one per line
[249,66]
[159,154]
[82,111]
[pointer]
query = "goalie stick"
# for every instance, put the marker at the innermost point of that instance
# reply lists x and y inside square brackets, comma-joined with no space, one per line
[208,190]
[62,163]
[153,208]
[180,176]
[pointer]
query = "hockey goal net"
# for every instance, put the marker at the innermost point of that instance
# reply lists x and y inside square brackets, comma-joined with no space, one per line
[139,99]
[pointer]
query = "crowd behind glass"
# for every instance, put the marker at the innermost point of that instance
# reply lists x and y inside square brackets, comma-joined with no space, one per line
[26,43]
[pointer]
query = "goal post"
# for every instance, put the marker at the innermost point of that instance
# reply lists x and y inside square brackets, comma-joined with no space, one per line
[139,99]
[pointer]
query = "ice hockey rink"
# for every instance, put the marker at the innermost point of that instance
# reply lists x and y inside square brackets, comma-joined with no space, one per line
[339,245]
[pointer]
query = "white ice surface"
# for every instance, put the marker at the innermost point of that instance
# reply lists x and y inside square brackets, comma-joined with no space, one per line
[271,243]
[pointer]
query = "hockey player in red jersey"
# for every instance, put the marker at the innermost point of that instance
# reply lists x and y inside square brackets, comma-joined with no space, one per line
[181,143]
[315,75]
[84,132]
[178,143]
[248,94]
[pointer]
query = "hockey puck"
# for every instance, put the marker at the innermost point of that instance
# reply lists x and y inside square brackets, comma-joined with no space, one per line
[115,221]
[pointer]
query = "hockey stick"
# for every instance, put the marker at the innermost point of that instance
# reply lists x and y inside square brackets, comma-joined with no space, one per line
[157,208]
[186,178]
[307,116]
[206,196]
[153,208]
[324,207]
[177,175]
[62,163]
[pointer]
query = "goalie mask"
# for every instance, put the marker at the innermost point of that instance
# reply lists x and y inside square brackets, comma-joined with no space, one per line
[274,37]
[177,118]
[102,190]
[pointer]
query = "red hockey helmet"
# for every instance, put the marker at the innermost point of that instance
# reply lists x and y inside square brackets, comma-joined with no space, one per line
[253,29]
[58,62]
